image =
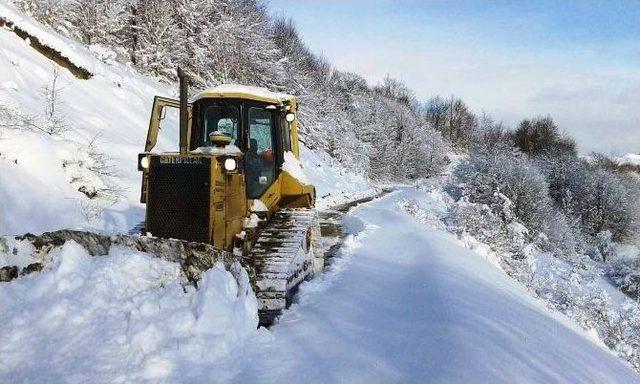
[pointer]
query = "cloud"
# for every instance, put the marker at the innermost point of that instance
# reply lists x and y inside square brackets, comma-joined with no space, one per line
[577,67]
[596,104]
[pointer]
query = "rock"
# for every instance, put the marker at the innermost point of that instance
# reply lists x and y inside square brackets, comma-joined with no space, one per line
[194,258]
[8,273]
[33,267]
[90,192]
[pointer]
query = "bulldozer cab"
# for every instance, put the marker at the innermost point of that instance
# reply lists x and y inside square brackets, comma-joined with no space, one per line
[233,141]
[256,128]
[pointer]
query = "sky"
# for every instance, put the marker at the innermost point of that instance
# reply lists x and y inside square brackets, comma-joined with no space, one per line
[578,61]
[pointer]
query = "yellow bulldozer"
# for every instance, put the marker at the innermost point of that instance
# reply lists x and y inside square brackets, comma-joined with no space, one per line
[234,184]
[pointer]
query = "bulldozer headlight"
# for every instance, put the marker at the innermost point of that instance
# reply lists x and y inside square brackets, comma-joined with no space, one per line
[290,116]
[230,164]
[143,162]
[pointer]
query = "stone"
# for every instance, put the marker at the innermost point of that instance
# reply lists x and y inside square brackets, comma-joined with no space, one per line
[8,273]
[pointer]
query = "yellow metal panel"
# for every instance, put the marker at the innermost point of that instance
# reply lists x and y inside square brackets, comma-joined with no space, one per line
[159,103]
[236,207]
[271,196]
[217,208]
[290,188]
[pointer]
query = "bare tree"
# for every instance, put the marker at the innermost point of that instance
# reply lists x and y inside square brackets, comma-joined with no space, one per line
[92,173]
[54,121]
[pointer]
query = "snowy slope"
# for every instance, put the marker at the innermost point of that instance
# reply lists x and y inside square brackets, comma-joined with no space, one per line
[125,317]
[334,183]
[37,190]
[411,304]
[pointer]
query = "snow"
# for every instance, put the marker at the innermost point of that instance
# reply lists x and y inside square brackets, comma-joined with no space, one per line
[334,183]
[125,317]
[219,151]
[258,206]
[292,166]
[411,304]
[246,89]
[401,302]
[576,285]
[251,221]
[629,158]
[18,253]
[113,107]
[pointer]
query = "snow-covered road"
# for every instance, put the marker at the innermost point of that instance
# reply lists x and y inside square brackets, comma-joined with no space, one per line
[406,303]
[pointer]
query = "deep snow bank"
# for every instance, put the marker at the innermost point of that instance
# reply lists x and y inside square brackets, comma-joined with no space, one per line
[125,317]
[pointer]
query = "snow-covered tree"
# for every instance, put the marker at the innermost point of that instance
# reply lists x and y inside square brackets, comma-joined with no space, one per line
[492,172]
[452,118]
[542,135]
[157,37]
[595,198]
[51,12]
[380,130]
[100,21]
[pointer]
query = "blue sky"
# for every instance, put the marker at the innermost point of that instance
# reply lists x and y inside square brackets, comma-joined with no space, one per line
[578,61]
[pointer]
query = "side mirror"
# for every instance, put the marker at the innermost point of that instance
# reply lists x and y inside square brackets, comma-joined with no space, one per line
[290,116]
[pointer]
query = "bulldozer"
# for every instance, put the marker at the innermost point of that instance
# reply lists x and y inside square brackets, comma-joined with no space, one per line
[233,185]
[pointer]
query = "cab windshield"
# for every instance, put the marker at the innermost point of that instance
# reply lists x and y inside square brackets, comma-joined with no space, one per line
[222,118]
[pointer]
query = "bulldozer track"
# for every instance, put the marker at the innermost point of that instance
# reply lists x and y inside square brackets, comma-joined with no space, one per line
[282,256]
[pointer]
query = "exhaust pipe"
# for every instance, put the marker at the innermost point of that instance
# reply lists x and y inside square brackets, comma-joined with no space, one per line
[184,112]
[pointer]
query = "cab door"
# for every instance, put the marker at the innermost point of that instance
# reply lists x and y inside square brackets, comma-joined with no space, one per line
[261,156]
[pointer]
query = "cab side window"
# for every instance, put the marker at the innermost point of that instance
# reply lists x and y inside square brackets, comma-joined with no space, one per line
[260,156]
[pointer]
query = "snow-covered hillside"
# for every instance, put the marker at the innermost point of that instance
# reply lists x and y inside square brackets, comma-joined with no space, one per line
[105,119]
[39,188]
